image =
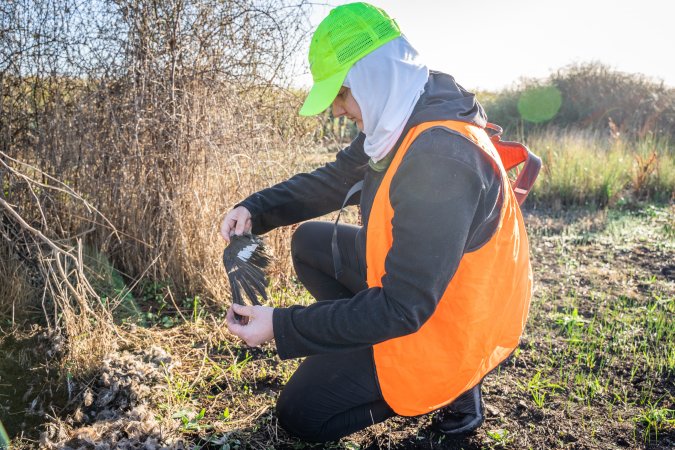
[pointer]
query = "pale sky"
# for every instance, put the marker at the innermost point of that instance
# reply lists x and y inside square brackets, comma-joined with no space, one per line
[490,44]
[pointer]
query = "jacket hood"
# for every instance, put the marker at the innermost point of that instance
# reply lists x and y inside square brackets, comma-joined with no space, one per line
[445,99]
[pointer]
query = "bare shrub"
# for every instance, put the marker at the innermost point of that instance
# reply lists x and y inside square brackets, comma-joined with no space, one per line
[130,127]
[16,289]
[55,263]
[593,96]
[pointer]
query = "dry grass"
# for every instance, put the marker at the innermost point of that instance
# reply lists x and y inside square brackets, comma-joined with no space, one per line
[114,186]
[585,168]
[167,231]
[594,368]
[16,289]
[119,164]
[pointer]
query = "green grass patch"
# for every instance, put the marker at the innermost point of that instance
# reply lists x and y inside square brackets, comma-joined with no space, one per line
[583,168]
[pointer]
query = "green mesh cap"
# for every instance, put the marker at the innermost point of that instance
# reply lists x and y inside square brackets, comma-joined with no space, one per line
[348,34]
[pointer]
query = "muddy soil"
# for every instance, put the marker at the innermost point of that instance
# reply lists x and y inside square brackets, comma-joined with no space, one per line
[29,380]
[593,371]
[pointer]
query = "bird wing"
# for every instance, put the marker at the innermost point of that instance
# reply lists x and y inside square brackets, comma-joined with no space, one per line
[245,260]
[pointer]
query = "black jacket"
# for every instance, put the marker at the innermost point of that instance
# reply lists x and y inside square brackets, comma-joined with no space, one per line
[446,198]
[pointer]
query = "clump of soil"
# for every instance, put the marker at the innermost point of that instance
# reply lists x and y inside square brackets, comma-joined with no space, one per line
[112,411]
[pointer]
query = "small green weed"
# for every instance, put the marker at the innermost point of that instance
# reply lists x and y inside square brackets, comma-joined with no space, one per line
[501,437]
[237,367]
[539,388]
[571,323]
[179,389]
[655,419]
[226,414]
[193,423]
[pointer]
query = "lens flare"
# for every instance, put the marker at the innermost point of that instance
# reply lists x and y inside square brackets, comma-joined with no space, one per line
[539,104]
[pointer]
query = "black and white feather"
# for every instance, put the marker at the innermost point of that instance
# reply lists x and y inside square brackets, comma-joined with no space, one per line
[245,260]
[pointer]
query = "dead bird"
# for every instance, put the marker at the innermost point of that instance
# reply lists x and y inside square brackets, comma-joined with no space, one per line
[245,260]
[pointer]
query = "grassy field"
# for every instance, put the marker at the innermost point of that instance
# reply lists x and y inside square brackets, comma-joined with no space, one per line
[595,368]
[134,353]
[589,169]
[129,128]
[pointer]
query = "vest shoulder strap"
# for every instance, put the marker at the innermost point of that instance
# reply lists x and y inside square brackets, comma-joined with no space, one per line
[512,154]
[337,264]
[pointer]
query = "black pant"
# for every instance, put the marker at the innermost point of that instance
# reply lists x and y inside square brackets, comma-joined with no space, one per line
[336,394]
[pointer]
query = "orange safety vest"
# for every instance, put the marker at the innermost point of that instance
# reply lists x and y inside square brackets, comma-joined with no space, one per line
[481,315]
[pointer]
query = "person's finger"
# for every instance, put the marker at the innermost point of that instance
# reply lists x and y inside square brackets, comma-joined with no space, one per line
[235,319]
[230,319]
[243,310]
[225,232]
[239,331]
[241,225]
[226,227]
[233,325]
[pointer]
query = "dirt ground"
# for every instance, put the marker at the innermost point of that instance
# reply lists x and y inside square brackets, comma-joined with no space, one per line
[595,368]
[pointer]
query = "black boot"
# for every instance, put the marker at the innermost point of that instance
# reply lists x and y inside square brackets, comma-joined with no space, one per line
[462,416]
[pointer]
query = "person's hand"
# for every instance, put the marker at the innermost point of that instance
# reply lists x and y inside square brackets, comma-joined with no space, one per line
[255,327]
[237,221]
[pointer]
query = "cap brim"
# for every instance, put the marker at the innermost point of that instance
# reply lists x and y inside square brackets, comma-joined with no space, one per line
[322,94]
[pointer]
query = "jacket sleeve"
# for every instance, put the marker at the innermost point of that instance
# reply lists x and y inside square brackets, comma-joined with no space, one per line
[439,201]
[308,195]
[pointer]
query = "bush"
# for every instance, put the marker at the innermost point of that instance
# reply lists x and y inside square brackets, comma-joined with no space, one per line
[129,128]
[594,97]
